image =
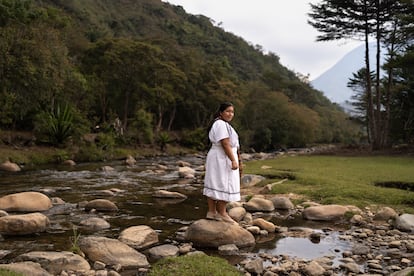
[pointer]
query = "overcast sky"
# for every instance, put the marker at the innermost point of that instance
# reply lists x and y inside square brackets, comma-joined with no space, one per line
[279,26]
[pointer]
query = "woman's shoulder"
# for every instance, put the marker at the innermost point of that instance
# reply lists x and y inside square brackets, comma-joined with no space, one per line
[219,123]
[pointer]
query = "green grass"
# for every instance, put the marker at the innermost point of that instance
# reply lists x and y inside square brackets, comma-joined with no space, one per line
[196,264]
[342,180]
[6,272]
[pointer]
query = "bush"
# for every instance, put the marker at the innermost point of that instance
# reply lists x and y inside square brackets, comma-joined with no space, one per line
[195,139]
[196,264]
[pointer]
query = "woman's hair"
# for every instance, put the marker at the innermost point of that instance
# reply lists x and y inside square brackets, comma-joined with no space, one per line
[222,107]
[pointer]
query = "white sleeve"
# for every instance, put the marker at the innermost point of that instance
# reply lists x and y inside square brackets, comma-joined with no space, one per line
[218,131]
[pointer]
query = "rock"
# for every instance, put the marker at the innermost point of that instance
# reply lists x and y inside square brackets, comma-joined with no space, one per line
[69,162]
[103,205]
[404,272]
[112,252]
[25,202]
[405,222]
[265,225]
[56,262]
[186,172]
[94,224]
[360,250]
[351,267]
[237,213]
[210,233]
[255,266]
[9,167]
[257,204]
[314,269]
[23,224]
[26,268]
[282,203]
[228,249]
[326,212]
[107,169]
[163,251]
[385,214]
[250,180]
[255,230]
[130,161]
[168,194]
[139,237]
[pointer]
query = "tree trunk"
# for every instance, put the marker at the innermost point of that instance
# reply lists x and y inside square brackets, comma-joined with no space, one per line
[172,117]
[378,141]
[370,102]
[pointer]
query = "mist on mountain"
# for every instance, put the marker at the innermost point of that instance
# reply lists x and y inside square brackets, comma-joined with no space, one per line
[333,82]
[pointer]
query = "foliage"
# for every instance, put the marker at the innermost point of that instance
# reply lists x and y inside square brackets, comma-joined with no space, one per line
[56,125]
[195,139]
[342,180]
[142,127]
[195,264]
[386,22]
[163,140]
[74,241]
[157,69]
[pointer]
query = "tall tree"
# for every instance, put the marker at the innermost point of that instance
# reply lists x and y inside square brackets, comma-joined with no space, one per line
[355,19]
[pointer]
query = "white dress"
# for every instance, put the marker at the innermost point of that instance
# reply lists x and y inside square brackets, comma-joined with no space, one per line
[221,182]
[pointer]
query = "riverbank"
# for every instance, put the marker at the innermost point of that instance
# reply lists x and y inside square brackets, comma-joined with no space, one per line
[42,155]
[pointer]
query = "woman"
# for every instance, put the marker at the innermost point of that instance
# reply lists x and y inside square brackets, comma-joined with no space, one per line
[222,179]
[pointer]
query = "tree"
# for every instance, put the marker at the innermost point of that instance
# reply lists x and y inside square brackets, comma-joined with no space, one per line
[359,100]
[357,19]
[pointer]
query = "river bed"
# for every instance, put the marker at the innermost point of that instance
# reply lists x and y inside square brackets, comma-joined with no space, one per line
[131,189]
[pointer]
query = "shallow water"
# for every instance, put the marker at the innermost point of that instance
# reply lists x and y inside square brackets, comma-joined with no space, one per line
[136,184]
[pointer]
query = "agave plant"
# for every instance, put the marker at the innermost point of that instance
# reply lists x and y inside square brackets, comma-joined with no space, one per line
[60,124]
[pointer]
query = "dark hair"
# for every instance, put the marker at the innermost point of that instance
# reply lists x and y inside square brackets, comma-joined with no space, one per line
[222,107]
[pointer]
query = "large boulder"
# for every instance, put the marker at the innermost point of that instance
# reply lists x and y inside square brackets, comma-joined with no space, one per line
[25,202]
[112,252]
[139,237]
[56,262]
[211,233]
[23,224]
[327,212]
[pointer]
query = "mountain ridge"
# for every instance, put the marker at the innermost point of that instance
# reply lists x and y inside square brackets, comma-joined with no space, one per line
[333,82]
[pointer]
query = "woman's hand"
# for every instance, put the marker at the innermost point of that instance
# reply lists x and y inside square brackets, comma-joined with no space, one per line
[227,149]
[234,165]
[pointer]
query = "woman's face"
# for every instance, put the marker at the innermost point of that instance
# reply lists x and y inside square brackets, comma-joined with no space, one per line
[228,114]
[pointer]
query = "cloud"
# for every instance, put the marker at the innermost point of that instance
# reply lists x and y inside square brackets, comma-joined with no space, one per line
[278,26]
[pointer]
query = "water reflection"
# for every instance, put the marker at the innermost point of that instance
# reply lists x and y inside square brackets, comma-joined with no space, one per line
[330,245]
[131,189]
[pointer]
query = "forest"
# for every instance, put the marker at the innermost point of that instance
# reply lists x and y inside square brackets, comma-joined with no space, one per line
[146,72]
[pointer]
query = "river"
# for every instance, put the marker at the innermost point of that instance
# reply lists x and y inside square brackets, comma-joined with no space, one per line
[131,189]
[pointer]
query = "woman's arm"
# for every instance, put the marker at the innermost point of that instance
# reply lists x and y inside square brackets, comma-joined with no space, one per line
[225,143]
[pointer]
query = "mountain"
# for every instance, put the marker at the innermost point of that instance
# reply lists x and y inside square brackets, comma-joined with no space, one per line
[333,83]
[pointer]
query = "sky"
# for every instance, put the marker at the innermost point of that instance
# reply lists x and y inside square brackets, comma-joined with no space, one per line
[278,26]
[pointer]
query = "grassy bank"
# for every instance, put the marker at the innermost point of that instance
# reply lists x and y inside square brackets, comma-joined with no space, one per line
[361,181]
[38,155]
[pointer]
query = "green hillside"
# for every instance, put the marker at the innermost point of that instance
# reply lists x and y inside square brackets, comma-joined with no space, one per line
[159,70]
